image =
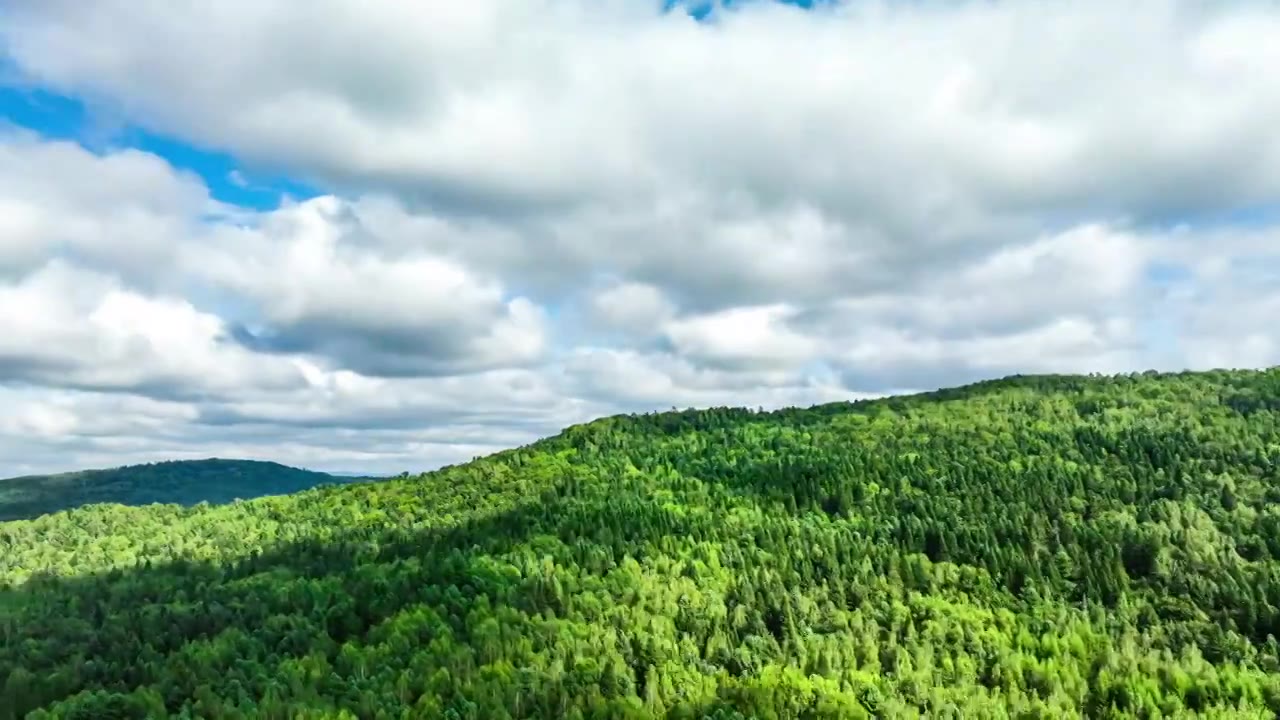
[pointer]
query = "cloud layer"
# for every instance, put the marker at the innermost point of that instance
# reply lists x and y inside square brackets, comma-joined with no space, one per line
[533,213]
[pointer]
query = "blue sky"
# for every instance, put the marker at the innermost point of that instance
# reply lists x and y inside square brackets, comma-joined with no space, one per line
[502,224]
[54,115]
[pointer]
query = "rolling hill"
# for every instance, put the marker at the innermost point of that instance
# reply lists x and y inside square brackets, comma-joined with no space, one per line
[182,482]
[1047,546]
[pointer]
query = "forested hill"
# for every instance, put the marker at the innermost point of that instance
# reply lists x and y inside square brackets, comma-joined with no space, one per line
[184,482]
[1031,547]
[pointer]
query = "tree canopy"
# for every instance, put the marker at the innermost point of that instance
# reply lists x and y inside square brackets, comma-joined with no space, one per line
[1046,546]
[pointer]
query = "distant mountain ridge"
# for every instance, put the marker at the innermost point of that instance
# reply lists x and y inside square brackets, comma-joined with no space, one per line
[181,482]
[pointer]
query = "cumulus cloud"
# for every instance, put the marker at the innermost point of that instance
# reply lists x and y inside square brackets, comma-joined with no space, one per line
[897,140]
[320,282]
[533,213]
[122,209]
[73,328]
[747,336]
[306,278]
[888,357]
[634,308]
[634,381]
[915,113]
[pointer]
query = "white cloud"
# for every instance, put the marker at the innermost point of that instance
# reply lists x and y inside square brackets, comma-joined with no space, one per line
[539,212]
[64,326]
[124,209]
[918,114]
[1090,271]
[747,336]
[636,308]
[321,282]
[889,357]
[635,381]
[58,416]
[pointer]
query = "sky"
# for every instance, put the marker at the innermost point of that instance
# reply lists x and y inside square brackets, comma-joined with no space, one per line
[378,236]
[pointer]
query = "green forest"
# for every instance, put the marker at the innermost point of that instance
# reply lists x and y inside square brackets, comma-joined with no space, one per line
[1031,547]
[178,482]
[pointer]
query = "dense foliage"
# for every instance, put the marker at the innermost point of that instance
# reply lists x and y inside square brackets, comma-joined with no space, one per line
[180,482]
[1030,547]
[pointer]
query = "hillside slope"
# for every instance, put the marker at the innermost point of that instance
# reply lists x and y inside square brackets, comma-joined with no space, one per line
[182,482]
[1030,547]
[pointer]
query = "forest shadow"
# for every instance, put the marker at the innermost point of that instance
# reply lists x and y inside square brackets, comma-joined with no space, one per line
[50,623]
